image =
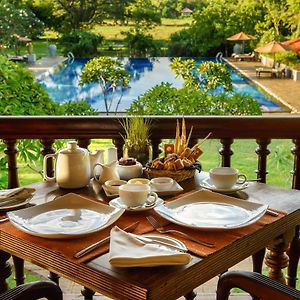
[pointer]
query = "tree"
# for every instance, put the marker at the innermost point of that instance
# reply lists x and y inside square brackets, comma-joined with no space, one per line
[110,75]
[16,19]
[210,76]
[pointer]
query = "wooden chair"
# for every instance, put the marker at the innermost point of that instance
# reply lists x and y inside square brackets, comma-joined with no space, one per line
[256,285]
[33,291]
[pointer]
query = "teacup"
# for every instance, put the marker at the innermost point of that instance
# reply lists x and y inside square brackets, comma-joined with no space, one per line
[225,177]
[134,194]
[127,172]
[162,183]
[139,181]
[113,185]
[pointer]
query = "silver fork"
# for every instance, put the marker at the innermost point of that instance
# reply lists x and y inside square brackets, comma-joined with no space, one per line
[158,227]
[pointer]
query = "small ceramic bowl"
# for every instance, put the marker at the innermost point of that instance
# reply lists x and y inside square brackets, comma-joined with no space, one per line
[162,183]
[113,185]
[139,181]
[131,171]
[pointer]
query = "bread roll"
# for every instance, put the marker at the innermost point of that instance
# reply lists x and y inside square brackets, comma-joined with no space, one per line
[178,164]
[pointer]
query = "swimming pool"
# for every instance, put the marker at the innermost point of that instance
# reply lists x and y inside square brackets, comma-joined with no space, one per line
[63,84]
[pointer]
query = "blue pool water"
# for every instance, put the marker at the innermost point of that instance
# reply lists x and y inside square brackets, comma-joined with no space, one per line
[63,85]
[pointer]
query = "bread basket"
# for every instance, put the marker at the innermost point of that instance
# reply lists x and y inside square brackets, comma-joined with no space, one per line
[179,175]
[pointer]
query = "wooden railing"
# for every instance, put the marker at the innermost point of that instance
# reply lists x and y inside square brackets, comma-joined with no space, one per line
[225,129]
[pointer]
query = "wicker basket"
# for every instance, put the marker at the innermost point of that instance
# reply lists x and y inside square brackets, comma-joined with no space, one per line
[179,175]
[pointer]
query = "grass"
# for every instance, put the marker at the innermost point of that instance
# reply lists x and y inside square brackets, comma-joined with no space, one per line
[162,32]
[280,161]
[29,277]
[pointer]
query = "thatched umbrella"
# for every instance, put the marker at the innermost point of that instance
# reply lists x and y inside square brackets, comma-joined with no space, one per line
[241,36]
[273,47]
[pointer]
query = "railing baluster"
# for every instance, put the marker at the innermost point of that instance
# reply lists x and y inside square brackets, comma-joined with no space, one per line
[156,151]
[47,149]
[294,250]
[84,143]
[11,152]
[226,152]
[119,143]
[296,170]
[262,151]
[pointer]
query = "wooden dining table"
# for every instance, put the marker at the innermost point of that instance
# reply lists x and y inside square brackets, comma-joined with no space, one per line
[165,282]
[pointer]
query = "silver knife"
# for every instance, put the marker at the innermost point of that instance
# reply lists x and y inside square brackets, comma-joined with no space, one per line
[90,248]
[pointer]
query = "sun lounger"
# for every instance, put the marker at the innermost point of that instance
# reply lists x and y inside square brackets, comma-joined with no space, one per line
[245,57]
[274,72]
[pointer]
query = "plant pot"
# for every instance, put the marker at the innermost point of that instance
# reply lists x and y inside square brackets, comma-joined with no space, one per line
[142,155]
[31,58]
[296,75]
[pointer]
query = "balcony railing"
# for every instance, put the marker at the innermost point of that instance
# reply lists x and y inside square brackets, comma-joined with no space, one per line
[225,129]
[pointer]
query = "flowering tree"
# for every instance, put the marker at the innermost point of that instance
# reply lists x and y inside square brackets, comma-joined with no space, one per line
[210,76]
[110,75]
[17,20]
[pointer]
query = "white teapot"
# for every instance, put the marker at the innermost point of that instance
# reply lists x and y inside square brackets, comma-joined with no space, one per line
[73,167]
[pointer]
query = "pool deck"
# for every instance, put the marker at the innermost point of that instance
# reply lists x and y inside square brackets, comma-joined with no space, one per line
[45,64]
[285,90]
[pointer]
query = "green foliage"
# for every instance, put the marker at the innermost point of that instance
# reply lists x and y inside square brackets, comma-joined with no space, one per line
[20,94]
[140,44]
[78,108]
[109,73]
[167,100]
[137,133]
[212,74]
[81,43]
[16,19]
[181,44]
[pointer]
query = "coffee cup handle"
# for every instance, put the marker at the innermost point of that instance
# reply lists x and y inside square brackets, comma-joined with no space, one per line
[241,179]
[151,201]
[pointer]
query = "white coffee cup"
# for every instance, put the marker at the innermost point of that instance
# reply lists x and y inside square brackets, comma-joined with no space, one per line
[162,183]
[139,180]
[134,195]
[226,177]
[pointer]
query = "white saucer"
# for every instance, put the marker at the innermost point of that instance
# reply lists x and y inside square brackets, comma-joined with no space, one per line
[207,184]
[174,189]
[118,203]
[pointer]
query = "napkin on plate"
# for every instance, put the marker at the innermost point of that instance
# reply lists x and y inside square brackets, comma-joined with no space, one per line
[14,196]
[127,251]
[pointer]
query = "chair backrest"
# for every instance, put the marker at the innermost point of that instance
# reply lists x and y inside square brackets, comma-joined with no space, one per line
[34,291]
[256,285]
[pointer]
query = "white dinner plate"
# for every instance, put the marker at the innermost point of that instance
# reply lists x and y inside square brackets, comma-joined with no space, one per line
[69,216]
[168,240]
[211,211]
[174,189]
[207,184]
[118,203]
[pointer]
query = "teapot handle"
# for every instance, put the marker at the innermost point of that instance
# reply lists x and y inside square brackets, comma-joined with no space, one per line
[46,177]
[94,171]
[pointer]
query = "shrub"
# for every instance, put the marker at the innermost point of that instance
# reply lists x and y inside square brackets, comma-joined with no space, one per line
[81,43]
[165,99]
[20,94]
[140,44]
[78,108]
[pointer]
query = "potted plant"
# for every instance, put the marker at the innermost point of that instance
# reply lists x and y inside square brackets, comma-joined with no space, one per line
[137,139]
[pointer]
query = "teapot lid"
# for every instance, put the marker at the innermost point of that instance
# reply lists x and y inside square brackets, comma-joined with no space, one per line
[72,148]
[72,145]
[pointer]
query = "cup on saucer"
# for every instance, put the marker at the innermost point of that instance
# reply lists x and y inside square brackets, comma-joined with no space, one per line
[226,177]
[113,185]
[135,195]
[162,183]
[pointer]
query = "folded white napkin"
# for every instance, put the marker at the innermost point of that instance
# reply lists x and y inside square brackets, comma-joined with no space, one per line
[127,251]
[15,195]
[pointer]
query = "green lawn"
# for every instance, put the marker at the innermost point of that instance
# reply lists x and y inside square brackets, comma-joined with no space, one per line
[280,161]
